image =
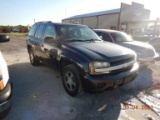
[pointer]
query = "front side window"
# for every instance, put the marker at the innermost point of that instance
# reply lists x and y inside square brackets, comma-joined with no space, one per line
[106,37]
[50,31]
[76,32]
[98,33]
[39,32]
[121,37]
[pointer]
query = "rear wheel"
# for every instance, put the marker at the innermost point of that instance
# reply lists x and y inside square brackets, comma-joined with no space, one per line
[71,80]
[33,60]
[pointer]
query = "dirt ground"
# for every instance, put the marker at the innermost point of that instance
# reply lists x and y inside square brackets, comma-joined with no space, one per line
[38,93]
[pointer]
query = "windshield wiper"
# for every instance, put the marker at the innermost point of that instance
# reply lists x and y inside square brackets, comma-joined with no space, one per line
[74,40]
[79,40]
[93,40]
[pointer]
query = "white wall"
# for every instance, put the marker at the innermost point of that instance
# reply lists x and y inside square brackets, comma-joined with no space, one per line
[65,21]
[106,21]
[90,21]
[77,20]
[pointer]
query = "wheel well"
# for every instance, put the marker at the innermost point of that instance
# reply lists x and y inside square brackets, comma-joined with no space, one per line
[64,63]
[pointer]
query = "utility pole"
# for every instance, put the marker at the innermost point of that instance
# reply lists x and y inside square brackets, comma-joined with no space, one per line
[119,19]
[34,20]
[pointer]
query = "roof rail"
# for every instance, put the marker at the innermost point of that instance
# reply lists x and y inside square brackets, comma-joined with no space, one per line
[44,22]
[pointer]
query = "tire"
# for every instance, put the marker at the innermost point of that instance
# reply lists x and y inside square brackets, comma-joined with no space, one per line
[71,80]
[33,60]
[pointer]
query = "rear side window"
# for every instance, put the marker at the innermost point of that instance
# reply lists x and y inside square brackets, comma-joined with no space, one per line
[33,30]
[40,32]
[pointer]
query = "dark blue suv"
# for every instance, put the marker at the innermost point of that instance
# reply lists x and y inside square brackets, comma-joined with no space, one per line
[84,60]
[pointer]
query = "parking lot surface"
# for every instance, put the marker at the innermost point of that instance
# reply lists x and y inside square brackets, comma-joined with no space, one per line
[38,93]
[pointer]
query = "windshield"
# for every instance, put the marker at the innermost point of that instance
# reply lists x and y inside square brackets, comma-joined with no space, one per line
[121,37]
[75,32]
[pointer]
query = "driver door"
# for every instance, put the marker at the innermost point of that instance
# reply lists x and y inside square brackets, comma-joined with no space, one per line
[49,50]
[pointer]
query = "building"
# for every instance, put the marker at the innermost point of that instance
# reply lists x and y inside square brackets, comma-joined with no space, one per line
[126,18]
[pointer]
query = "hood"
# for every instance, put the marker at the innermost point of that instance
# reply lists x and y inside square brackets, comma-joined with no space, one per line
[136,44]
[100,50]
[142,49]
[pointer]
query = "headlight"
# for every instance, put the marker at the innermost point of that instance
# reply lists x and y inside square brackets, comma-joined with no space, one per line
[4,77]
[97,65]
[7,37]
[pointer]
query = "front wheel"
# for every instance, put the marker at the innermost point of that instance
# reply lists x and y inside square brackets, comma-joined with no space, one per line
[71,80]
[33,60]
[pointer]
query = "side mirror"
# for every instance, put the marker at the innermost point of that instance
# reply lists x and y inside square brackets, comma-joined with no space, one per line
[4,38]
[49,39]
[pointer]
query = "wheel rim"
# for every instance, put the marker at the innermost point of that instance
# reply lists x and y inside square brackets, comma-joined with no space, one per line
[31,57]
[69,80]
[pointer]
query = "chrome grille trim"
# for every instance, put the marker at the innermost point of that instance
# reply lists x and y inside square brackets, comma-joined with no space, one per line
[107,70]
[150,52]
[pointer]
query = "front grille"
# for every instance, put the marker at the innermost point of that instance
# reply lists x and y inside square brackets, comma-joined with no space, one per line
[149,53]
[121,70]
[119,62]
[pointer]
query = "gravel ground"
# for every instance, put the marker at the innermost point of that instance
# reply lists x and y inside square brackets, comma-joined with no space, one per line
[38,93]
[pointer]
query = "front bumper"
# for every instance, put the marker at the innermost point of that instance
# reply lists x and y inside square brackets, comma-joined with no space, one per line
[147,60]
[5,97]
[104,82]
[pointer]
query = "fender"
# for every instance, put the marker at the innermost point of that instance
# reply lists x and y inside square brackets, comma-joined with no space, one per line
[30,45]
[68,56]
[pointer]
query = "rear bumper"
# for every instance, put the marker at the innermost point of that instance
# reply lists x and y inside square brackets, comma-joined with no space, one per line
[5,98]
[104,82]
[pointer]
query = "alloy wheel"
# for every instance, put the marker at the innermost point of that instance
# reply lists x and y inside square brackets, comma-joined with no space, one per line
[70,81]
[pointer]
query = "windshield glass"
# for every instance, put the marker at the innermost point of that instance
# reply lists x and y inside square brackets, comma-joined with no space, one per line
[75,32]
[121,37]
